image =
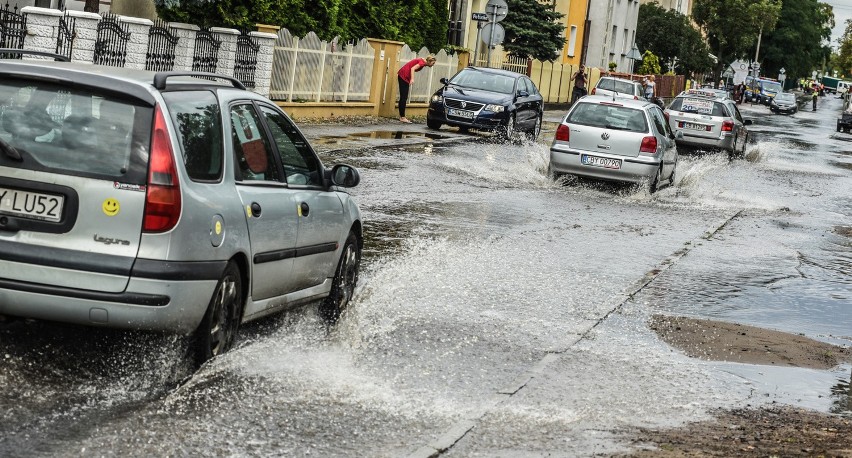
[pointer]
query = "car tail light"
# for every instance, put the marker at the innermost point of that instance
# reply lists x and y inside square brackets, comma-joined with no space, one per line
[562,133]
[162,199]
[649,145]
[728,126]
[594,89]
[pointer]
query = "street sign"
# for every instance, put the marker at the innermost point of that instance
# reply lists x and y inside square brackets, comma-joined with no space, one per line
[496,10]
[493,34]
[479,17]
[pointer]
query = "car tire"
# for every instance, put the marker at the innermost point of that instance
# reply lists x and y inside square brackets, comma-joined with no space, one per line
[532,134]
[672,175]
[433,124]
[507,132]
[655,182]
[218,329]
[345,280]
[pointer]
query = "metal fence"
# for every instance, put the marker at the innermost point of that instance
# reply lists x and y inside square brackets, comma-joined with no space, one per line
[313,70]
[111,44]
[161,47]
[205,58]
[65,35]
[13,29]
[245,60]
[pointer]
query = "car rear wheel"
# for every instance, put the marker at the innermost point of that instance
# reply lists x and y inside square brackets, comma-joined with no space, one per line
[218,329]
[345,279]
[655,182]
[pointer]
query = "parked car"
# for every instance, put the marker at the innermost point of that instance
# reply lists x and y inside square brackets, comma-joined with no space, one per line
[488,99]
[609,86]
[164,201]
[708,121]
[761,90]
[622,140]
[784,102]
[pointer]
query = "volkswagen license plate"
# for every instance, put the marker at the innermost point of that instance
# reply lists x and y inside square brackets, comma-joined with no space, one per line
[34,205]
[460,113]
[596,161]
[693,126]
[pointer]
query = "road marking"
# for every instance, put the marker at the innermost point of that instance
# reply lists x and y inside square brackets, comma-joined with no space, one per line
[456,432]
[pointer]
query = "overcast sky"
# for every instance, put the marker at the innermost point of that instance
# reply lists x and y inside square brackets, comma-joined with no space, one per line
[842,12]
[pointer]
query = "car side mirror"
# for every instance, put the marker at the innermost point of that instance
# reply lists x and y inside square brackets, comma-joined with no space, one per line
[747,122]
[522,93]
[345,176]
[444,81]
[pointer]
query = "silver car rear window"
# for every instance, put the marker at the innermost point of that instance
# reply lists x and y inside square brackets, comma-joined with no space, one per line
[74,131]
[622,87]
[699,106]
[609,116]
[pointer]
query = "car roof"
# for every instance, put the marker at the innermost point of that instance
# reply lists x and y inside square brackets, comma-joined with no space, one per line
[630,103]
[703,93]
[119,80]
[497,71]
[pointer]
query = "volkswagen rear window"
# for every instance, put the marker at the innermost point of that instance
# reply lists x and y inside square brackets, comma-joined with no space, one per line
[622,87]
[72,130]
[609,116]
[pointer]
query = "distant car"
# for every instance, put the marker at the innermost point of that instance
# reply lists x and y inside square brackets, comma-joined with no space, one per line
[708,121]
[609,86]
[761,90]
[164,201]
[622,140]
[489,99]
[784,103]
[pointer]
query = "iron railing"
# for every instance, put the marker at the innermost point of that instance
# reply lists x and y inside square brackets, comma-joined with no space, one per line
[111,45]
[65,36]
[205,58]
[13,29]
[161,47]
[245,63]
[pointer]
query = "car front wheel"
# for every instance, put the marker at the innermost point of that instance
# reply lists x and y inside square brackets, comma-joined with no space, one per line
[533,133]
[433,124]
[345,279]
[508,131]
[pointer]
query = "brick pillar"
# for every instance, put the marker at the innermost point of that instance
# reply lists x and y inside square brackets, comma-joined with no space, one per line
[263,72]
[137,47]
[227,50]
[42,26]
[87,35]
[185,45]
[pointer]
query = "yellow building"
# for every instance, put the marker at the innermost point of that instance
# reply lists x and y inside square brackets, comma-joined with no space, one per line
[575,12]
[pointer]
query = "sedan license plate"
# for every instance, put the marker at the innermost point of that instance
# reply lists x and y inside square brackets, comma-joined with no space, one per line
[691,126]
[596,161]
[33,205]
[460,113]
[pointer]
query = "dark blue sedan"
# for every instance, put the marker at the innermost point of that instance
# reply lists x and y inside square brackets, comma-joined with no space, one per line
[488,99]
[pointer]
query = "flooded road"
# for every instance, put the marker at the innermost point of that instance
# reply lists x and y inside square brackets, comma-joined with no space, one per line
[498,313]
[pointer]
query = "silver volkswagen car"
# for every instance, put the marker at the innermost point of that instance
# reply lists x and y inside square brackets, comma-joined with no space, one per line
[164,201]
[615,139]
[708,121]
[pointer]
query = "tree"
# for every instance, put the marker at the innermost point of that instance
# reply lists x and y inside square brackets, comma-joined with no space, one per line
[731,27]
[843,58]
[799,42]
[533,30]
[671,36]
[650,64]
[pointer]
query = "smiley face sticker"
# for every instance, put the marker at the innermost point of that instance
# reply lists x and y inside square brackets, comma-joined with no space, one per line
[111,207]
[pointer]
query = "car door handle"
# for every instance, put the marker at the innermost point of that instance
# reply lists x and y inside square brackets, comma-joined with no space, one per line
[304,209]
[255,209]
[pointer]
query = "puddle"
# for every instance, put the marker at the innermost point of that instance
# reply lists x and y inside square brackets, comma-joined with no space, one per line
[377,135]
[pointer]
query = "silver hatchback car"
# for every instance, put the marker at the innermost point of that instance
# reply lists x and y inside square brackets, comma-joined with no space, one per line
[708,121]
[164,201]
[615,139]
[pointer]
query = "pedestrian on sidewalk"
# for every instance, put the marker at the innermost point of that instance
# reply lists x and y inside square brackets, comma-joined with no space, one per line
[814,97]
[406,79]
[579,79]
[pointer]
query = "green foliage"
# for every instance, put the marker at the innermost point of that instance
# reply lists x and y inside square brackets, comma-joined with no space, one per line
[650,64]
[797,42]
[612,66]
[418,23]
[669,34]
[532,30]
[843,58]
[731,27]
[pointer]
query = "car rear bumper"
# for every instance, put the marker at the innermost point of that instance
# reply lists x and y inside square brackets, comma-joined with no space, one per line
[726,142]
[633,169]
[148,304]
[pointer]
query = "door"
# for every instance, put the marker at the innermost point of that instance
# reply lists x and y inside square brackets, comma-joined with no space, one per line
[270,209]
[664,132]
[524,117]
[322,223]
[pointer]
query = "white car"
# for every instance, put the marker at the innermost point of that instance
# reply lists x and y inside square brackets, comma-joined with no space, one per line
[618,87]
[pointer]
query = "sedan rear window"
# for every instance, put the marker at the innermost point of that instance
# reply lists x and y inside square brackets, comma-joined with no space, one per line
[609,116]
[615,85]
[698,106]
[74,131]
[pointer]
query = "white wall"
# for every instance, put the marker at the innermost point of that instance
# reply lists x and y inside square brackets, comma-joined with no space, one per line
[606,16]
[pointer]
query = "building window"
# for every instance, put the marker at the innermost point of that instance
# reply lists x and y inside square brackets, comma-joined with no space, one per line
[42,3]
[572,41]
[612,39]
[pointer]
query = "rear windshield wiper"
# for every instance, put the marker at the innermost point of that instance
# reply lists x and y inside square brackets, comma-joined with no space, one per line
[10,151]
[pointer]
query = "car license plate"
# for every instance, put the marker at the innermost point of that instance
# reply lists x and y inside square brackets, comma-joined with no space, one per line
[460,113]
[691,126]
[596,161]
[34,205]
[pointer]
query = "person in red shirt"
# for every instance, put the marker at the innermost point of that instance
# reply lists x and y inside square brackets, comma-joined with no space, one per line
[406,79]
